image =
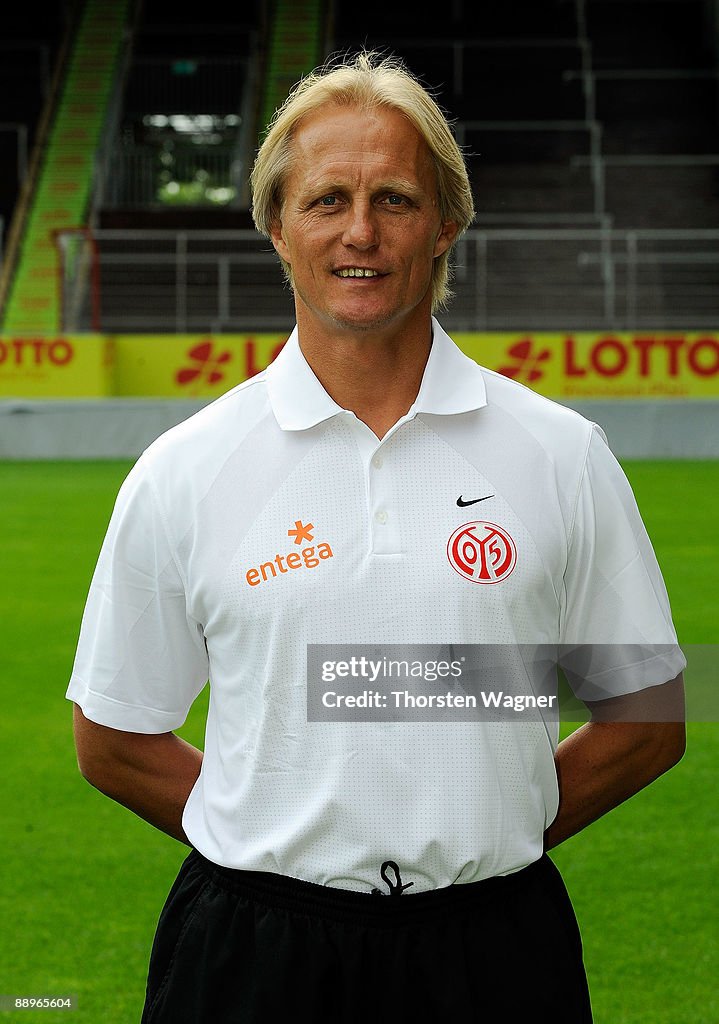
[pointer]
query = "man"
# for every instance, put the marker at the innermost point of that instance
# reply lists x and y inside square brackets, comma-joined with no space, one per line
[326,502]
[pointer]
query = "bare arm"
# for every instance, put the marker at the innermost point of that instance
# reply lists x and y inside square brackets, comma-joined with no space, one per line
[616,754]
[152,775]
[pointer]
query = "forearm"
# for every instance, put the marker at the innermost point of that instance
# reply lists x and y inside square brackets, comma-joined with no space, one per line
[151,775]
[602,764]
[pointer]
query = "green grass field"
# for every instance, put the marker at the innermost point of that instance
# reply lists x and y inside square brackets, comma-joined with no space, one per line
[84,880]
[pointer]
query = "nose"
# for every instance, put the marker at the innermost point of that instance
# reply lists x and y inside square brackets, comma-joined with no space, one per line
[360,230]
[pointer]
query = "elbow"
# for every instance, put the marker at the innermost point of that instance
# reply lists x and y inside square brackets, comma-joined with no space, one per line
[671,746]
[91,769]
[88,770]
[673,730]
[677,743]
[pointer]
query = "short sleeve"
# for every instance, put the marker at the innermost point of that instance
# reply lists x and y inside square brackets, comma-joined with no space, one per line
[616,630]
[141,659]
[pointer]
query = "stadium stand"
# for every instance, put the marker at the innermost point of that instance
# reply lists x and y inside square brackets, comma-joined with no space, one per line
[62,186]
[29,50]
[246,68]
[590,127]
[32,53]
[596,117]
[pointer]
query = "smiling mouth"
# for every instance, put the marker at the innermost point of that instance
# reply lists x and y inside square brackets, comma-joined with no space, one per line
[357,272]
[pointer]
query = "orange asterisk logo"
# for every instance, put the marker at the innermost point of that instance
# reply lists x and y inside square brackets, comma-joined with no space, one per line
[301,532]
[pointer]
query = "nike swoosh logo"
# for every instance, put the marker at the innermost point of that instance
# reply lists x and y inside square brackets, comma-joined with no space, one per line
[463,504]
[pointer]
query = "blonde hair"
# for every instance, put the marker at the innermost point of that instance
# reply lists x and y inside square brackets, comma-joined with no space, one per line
[366,80]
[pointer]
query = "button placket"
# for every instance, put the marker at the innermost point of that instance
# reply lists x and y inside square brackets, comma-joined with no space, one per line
[383,525]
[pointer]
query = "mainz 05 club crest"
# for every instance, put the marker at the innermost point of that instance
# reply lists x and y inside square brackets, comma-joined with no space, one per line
[482,552]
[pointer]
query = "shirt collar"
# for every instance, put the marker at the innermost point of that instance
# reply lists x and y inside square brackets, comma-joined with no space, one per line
[451,383]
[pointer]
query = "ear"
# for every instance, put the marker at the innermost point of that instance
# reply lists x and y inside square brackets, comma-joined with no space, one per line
[278,240]
[446,236]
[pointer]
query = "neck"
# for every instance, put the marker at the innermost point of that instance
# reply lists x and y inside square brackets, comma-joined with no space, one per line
[376,376]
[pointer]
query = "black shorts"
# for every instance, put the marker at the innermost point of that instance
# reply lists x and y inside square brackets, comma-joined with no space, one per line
[234,947]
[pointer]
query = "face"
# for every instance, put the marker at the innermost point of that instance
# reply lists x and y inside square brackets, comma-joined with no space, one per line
[360,223]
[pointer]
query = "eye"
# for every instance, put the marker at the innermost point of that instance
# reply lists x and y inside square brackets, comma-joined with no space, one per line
[394,200]
[328,201]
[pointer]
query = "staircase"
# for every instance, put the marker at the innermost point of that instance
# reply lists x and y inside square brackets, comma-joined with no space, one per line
[295,47]
[64,183]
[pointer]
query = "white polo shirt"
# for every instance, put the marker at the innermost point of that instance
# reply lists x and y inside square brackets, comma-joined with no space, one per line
[272,520]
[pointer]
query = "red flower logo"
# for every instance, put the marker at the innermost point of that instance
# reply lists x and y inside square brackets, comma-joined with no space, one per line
[206,365]
[527,366]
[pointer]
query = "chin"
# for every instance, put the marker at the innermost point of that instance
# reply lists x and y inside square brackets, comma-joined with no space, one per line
[364,320]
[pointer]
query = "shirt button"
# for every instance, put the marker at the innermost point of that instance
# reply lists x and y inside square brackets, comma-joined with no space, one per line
[378,462]
[381,516]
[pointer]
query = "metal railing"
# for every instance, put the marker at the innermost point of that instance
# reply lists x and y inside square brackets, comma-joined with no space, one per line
[504,279]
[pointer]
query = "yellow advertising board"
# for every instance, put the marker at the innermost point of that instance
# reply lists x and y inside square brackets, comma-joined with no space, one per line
[612,365]
[190,365]
[62,366]
[676,365]
[586,365]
